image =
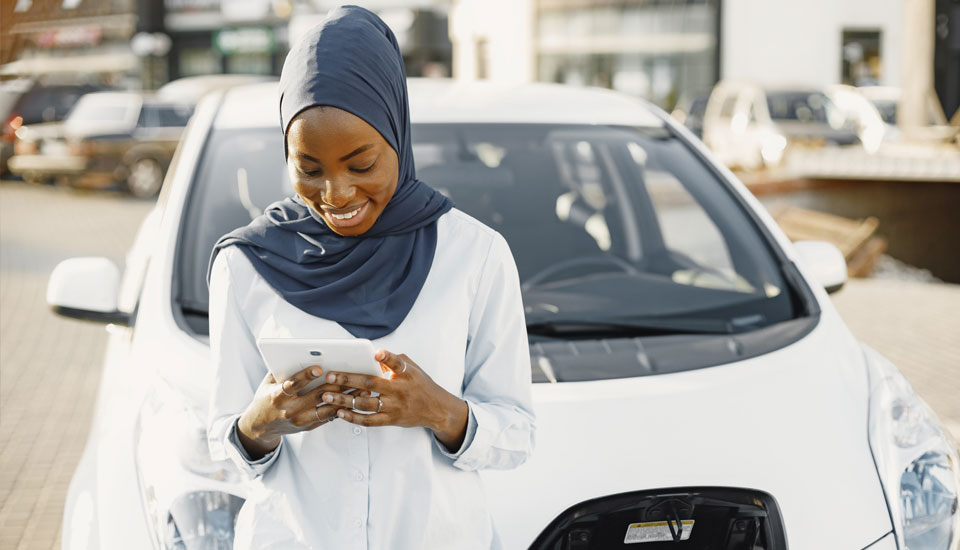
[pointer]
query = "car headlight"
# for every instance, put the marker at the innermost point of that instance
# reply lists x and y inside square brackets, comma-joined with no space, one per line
[917,461]
[202,520]
[189,499]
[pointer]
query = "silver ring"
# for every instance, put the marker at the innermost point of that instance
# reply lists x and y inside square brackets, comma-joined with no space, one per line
[285,391]
[320,420]
[353,404]
[404,365]
[379,404]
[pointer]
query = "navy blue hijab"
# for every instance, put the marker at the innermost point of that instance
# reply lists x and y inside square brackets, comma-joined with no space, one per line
[366,283]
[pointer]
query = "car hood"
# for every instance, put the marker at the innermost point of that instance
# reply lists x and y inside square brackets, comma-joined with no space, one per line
[792,423]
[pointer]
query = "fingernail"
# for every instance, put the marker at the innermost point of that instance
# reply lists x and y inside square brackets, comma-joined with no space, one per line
[331,378]
[287,385]
[328,398]
[314,372]
[341,414]
[381,355]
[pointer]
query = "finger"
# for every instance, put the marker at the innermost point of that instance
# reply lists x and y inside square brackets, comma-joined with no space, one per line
[356,402]
[296,382]
[359,381]
[317,393]
[390,360]
[312,417]
[318,390]
[361,419]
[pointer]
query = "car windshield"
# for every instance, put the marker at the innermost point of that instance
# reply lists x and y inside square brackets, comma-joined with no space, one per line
[614,229]
[808,107]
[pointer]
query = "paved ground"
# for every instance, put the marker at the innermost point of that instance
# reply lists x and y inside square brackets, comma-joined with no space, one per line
[50,367]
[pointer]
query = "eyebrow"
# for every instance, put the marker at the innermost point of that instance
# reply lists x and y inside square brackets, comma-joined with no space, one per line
[348,156]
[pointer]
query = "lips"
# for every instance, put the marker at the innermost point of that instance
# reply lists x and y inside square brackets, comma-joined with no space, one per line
[347,217]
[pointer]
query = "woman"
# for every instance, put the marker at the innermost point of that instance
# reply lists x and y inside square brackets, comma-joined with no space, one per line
[366,250]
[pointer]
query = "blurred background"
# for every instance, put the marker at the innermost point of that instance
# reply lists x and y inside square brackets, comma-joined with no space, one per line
[842,117]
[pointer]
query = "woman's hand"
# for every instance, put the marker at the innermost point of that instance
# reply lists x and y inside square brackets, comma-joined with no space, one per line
[408,398]
[277,410]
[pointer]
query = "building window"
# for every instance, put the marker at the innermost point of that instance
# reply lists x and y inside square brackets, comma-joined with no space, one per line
[860,52]
[659,51]
[199,61]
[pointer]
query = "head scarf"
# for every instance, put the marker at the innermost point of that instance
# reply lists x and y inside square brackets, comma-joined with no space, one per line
[366,283]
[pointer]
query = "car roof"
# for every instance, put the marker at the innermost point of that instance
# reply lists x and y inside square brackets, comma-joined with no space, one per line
[446,100]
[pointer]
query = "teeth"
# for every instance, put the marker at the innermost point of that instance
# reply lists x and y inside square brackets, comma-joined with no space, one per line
[346,216]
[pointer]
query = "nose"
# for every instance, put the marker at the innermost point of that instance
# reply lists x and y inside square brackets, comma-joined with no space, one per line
[337,195]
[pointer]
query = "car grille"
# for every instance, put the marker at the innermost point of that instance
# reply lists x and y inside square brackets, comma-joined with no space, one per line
[698,518]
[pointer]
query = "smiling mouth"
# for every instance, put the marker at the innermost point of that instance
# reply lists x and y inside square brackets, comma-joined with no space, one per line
[347,218]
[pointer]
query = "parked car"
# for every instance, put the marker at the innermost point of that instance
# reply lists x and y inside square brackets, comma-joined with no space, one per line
[25,101]
[190,89]
[887,101]
[108,137]
[691,374]
[690,111]
[750,126]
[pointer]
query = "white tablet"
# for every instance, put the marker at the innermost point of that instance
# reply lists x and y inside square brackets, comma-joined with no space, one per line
[286,357]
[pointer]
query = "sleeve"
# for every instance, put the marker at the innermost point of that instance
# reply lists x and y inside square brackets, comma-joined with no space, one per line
[238,369]
[497,378]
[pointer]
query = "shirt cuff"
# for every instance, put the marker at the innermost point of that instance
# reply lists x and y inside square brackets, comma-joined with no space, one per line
[467,437]
[253,468]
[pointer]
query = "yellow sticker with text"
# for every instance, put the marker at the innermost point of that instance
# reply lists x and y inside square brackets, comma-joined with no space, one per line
[656,531]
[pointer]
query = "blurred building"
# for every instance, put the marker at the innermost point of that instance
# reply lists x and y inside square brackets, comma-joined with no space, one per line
[655,49]
[665,50]
[815,42]
[145,43]
[69,40]
[253,36]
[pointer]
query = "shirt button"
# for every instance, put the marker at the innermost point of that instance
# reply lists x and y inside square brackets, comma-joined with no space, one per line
[359,476]
[358,431]
[358,522]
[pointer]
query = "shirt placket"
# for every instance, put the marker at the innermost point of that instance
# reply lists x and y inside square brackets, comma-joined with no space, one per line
[359,484]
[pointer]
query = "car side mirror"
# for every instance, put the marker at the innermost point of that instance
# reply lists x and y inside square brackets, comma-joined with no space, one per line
[86,288]
[825,262]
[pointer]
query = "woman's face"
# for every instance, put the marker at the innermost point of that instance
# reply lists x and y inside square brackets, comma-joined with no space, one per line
[341,167]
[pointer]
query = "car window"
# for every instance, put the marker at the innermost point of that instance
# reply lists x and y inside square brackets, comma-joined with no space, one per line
[601,220]
[164,116]
[148,117]
[174,116]
[807,107]
[50,103]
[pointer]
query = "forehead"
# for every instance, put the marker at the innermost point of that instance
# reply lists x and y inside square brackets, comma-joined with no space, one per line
[323,123]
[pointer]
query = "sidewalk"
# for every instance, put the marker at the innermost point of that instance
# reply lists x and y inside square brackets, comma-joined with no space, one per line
[917,326]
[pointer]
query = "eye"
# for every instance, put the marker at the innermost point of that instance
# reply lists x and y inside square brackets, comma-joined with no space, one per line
[362,170]
[311,174]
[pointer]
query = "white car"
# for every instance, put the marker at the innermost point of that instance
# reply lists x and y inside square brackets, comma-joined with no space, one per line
[750,126]
[693,382]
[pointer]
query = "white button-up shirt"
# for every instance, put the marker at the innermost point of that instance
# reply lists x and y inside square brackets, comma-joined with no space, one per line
[343,486]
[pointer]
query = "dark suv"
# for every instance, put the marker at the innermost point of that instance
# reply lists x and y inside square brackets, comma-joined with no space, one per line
[109,137]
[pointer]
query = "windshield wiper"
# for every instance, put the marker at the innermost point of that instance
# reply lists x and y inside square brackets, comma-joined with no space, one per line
[637,326]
